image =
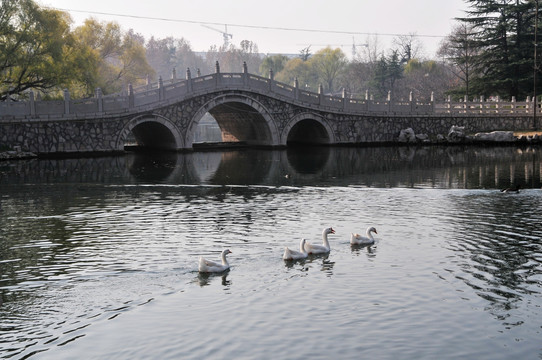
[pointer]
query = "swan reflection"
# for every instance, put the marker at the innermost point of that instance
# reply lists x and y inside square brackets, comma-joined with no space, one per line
[367,249]
[326,265]
[319,261]
[205,279]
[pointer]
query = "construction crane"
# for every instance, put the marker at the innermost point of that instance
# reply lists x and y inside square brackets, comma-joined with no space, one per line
[227,36]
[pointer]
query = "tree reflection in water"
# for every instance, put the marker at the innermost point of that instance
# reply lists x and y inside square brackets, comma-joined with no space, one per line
[440,167]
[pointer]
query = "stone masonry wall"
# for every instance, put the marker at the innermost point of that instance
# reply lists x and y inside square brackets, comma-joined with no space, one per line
[101,135]
[368,129]
[62,136]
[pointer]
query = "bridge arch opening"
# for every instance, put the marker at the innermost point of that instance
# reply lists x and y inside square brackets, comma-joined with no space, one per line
[153,135]
[242,123]
[308,132]
[207,130]
[150,132]
[241,120]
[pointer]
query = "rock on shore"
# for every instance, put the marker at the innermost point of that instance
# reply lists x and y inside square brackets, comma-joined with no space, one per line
[497,136]
[457,134]
[16,154]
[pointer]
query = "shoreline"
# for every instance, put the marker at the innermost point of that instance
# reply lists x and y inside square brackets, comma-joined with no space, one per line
[24,155]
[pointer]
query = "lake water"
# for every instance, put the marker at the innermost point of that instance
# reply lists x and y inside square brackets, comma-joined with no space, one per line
[98,256]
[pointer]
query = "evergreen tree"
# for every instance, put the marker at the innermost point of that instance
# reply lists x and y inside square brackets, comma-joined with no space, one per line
[388,70]
[503,38]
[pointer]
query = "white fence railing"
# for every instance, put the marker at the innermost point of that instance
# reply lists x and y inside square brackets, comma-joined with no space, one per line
[153,95]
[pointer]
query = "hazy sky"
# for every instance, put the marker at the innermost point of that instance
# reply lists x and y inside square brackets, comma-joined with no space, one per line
[276,26]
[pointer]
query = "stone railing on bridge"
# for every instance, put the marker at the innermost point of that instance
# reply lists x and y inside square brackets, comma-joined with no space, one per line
[173,90]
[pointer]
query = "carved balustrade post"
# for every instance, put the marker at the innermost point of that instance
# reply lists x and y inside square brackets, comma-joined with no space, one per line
[296,88]
[217,71]
[320,94]
[188,80]
[160,89]
[345,100]
[245,73]
[388,99]
[66,101]
[99,100]
[131,101]
[32,103]
[173,75]
[271,78]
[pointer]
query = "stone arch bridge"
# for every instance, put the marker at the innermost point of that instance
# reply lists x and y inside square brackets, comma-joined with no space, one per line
[250,109]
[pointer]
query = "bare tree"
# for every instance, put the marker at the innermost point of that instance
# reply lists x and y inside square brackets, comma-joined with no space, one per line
[459,51]
[408,47]
[370,53]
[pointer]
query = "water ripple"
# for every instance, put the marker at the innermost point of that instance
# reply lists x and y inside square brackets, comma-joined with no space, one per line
[125,257]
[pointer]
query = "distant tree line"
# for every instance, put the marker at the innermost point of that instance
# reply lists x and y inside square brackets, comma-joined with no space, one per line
[489,52]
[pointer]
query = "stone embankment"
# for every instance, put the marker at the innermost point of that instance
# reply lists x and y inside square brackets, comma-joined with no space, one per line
[457,134]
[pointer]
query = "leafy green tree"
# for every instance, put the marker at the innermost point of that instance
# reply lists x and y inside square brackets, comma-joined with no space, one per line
[301,70]
[328,64]
[37,49]
[118,58]
[275,63]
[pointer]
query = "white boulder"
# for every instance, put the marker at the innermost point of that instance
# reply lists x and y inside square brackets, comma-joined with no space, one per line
[456,133]
[407,135]
[497,136]
[422,137]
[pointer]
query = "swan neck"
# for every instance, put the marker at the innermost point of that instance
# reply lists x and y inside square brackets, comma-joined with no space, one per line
[370,235]
[324,239]
[224,261]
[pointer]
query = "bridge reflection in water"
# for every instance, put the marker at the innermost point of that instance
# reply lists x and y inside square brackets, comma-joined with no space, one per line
[440,167]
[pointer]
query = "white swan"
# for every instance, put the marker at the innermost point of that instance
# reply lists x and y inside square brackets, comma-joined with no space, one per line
[357,239]
[320,249]
[208,266]
[295,255]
